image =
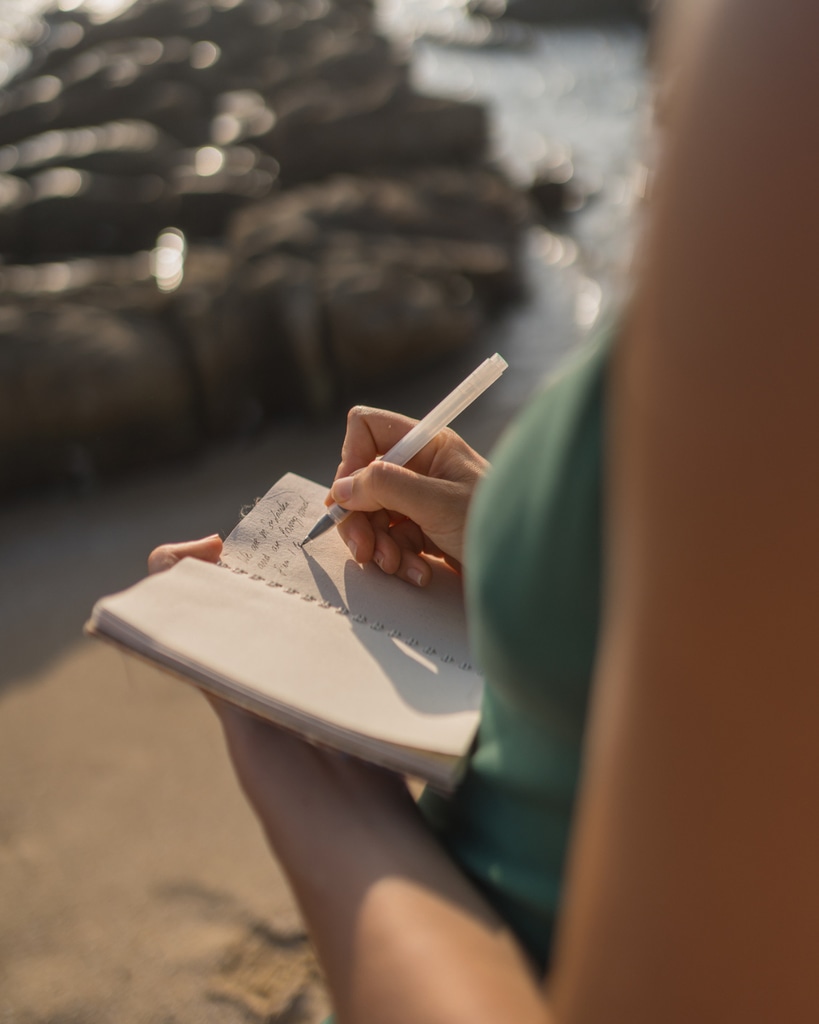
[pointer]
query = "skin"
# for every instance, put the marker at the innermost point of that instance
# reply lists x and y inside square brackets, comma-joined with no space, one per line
[691,891]
[433,489]
[383,867]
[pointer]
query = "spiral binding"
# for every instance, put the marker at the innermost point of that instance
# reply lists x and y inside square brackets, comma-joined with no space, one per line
[356,617]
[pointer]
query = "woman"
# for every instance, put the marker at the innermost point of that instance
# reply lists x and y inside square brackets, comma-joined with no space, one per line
[688,890]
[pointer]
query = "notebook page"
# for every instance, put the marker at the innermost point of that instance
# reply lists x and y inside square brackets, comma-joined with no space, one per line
[265,544]
[313,664]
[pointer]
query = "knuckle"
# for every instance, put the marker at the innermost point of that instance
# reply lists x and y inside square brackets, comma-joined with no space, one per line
[380,474]
[357,413]
[160,558]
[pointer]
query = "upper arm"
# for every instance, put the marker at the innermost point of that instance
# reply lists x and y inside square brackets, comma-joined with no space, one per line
[693,892]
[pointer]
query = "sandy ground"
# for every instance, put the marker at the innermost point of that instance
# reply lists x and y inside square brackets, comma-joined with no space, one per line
[134,882]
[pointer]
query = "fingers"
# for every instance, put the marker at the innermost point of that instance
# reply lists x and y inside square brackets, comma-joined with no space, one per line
[437,507]
[408,564]
[433,491]
[370,433]
[428,501]
[397,551]
[394,547]
[208,549]
[383,485]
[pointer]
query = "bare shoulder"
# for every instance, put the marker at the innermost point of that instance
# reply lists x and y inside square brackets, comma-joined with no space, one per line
[696,840]
[715,391]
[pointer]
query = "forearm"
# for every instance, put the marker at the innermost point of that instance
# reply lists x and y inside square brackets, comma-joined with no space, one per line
[401,934]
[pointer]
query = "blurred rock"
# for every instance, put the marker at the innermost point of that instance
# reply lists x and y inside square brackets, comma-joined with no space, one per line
[274,304]
[542,11]
[369,277]
[210,183]
[14,194]
[557,189]
[369,132]
[477,32]
[439,203]
[116,147]
[70,211]
[244,199]
[235,353]
[335,286]
[143,78]
[383,320]
[115,283]
[86,392]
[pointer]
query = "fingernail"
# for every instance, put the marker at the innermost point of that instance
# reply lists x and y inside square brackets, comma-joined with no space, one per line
[415,576]
[353,550]
[342,489]
[378,558]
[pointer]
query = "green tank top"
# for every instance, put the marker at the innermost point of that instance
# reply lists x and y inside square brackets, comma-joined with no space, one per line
[533,581]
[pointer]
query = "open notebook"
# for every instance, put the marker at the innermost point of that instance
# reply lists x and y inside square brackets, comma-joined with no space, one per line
[345,656]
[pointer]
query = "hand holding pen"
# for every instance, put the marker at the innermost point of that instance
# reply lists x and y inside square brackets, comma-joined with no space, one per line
[415,509]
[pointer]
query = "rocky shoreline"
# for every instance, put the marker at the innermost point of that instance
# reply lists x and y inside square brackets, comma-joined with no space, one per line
[565,11]
[217,212]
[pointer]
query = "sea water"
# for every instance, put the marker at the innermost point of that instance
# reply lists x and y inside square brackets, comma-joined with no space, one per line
[559,97]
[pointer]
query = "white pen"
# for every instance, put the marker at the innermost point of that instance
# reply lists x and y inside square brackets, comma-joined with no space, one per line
[424,431]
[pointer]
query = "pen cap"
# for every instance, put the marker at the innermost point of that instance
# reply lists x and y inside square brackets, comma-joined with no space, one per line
[446,411]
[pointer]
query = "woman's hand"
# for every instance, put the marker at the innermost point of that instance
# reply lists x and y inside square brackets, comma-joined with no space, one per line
[265,757]
[208,549]
[398,928]
[403,512]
